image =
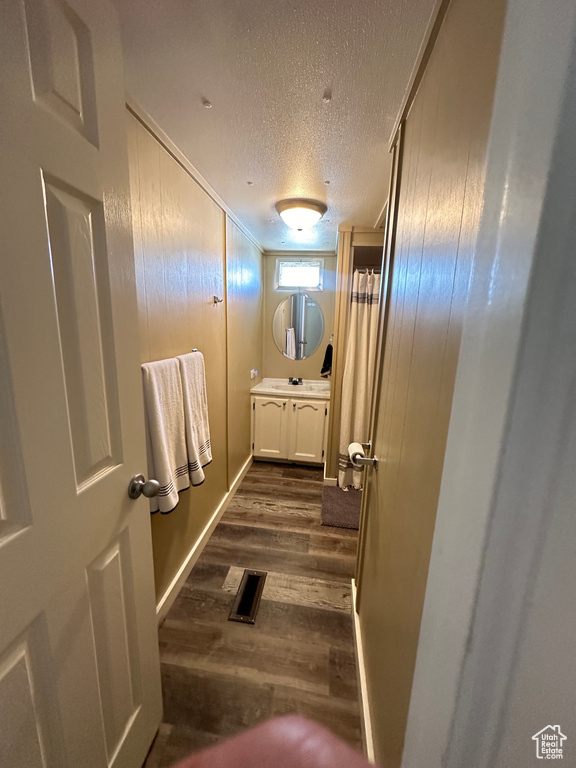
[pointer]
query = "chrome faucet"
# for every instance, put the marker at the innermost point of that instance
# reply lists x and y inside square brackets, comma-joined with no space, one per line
[294,380]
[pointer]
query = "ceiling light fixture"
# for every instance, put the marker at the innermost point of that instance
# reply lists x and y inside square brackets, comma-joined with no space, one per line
[301,214]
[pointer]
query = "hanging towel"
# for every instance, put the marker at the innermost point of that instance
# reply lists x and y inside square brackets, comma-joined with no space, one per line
[290,343]
[327,364]
[193,377]
[165,438]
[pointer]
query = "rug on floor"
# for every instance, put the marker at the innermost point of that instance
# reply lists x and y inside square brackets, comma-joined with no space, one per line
[341,509]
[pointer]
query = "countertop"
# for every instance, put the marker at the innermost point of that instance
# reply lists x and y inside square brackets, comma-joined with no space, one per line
[319,389]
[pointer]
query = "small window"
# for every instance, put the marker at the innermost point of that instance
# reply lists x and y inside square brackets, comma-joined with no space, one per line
[294,274]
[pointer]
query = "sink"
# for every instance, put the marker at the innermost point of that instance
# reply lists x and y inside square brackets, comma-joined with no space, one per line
[308,388]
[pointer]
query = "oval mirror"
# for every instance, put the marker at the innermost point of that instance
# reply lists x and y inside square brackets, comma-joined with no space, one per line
[298,326]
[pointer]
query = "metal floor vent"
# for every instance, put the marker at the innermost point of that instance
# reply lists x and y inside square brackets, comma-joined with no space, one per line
[248,597]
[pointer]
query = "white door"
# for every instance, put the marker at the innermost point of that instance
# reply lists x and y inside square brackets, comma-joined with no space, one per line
[269,430]
[306,433]
[79,671]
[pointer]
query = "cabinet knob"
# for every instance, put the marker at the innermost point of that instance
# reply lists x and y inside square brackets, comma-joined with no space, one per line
[284,405]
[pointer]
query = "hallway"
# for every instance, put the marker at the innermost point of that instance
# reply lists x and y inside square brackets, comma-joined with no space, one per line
[220,677]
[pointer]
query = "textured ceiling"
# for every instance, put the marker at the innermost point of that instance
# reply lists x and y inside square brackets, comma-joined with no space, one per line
[265,65]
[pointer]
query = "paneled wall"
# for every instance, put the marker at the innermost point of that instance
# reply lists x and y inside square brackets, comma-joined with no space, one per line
[441,194]
[245,309]
[275,364]
[179,242]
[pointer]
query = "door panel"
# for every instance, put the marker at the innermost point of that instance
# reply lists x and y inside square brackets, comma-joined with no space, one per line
[76,233]
[17,703]
[27,686]
[62,64]
[111,594]
[14,501]
[79,671]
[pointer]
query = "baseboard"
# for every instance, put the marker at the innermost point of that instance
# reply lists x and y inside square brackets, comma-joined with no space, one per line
[167,599]
[288,462]
[330,480]
[364,706]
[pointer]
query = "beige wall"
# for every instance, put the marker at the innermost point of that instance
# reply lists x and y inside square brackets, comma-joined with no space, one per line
[275,364]
[179,241]
[441,193]
[245,308]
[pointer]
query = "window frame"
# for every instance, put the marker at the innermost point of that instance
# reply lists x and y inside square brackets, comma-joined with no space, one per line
[302,260]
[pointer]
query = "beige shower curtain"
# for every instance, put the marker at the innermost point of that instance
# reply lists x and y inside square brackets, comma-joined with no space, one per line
[358,373]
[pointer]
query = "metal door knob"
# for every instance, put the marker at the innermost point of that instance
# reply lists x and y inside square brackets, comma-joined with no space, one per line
[139,485]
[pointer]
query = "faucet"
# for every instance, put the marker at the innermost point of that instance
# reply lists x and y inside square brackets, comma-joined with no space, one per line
[294,380]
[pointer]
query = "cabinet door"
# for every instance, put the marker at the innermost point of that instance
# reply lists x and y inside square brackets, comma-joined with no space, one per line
[270,438]
[306,430]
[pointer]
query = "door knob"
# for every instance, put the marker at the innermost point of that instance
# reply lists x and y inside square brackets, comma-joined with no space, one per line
[357,457]
[139,485]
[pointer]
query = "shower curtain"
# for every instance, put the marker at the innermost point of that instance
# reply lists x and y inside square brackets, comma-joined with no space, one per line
[358,373]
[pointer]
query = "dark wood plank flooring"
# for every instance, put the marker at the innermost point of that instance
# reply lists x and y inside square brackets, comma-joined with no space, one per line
[220,677]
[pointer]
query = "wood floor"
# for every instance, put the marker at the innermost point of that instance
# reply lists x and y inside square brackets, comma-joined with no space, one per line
[221,677]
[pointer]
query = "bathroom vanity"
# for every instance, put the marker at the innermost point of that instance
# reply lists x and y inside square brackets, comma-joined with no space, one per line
[290,422]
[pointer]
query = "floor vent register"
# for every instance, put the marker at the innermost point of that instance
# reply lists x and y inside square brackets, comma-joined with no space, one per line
[248,597]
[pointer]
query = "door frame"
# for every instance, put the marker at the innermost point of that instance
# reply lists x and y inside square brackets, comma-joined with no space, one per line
[386,283]
[508,474]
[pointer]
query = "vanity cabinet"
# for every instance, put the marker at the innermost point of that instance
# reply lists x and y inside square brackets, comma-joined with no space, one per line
[289,428]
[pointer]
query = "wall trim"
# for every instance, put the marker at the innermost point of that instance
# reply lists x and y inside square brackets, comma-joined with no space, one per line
[373,237]
[300,254]
[354,228]
[367,736]
[330,480]
[420,63]
[168,598]
[154,129]
[381,220]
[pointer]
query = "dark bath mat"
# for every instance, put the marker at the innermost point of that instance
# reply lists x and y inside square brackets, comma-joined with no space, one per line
[341,509]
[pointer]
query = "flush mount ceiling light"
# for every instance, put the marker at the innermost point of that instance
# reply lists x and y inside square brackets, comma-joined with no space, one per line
[301,214]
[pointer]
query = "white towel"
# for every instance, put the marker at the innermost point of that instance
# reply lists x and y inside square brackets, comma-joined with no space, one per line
[195,414]
[166,439]
[290,343]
